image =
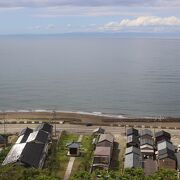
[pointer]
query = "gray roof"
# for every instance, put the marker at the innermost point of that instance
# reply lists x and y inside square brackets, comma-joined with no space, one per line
[132,149]
[38,136]
[73,145]
[133,160]
[107,137]
[146,132]
[131,131]
[163,133]
[165,144]
[44,127]
[146,141]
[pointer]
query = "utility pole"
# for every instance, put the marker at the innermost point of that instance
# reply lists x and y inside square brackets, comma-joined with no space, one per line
[54,119]
[4,124]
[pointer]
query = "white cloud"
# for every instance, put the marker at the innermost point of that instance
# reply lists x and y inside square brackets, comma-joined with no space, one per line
[142,21]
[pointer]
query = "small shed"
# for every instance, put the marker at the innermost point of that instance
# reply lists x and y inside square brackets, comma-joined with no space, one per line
[73,148]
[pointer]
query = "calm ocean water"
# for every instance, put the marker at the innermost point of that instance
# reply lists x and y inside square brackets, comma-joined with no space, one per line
[135,77]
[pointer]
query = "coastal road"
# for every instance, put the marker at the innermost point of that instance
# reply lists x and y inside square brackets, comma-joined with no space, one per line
[80,129]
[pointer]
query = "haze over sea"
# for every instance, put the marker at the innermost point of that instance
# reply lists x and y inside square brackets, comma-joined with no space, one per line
[129,76]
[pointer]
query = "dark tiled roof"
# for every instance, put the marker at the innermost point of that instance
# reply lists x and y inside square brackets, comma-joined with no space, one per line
[38,136]
[131,131]
[132,138]
[163,133]
[133,160]
[44,127]
[32,154]
[26,132]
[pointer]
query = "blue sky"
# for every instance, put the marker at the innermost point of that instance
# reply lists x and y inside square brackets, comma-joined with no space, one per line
[64,16]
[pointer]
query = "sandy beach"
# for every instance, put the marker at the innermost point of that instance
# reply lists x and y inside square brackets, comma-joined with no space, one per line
[95,119]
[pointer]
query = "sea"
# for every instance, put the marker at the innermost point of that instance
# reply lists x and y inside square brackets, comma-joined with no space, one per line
[132,77]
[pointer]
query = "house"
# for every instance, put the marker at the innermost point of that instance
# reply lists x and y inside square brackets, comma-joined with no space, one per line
[133,158]
[147,147]
[132,131]
[29,154]
[73,148]
[103,152]
[30,149]
[23,135]
[166,155]
[2,141]
[38,136]
[106,140]
[102,158]
[46,127]
[162,136]
[98,131]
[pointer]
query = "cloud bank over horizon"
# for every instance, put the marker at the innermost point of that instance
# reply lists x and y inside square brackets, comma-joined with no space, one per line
[61,16]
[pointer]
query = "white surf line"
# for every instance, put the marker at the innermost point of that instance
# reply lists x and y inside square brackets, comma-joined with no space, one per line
[71,162]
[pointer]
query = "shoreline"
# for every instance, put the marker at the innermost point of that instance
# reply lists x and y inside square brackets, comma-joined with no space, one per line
[79,116]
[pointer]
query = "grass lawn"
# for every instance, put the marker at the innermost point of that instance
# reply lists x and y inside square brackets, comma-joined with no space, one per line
[84,161]
[62,151]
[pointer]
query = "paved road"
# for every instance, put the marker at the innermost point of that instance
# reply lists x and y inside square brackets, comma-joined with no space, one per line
[80,129]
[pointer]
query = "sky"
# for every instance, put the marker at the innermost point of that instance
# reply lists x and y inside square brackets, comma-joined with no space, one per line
[89,16]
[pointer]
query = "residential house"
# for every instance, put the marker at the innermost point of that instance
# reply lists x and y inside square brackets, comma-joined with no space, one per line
[102,158]
[30,149]
[133,158]
[166,155]
[147,147]
[132,131]
[28,154]
[103,152]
